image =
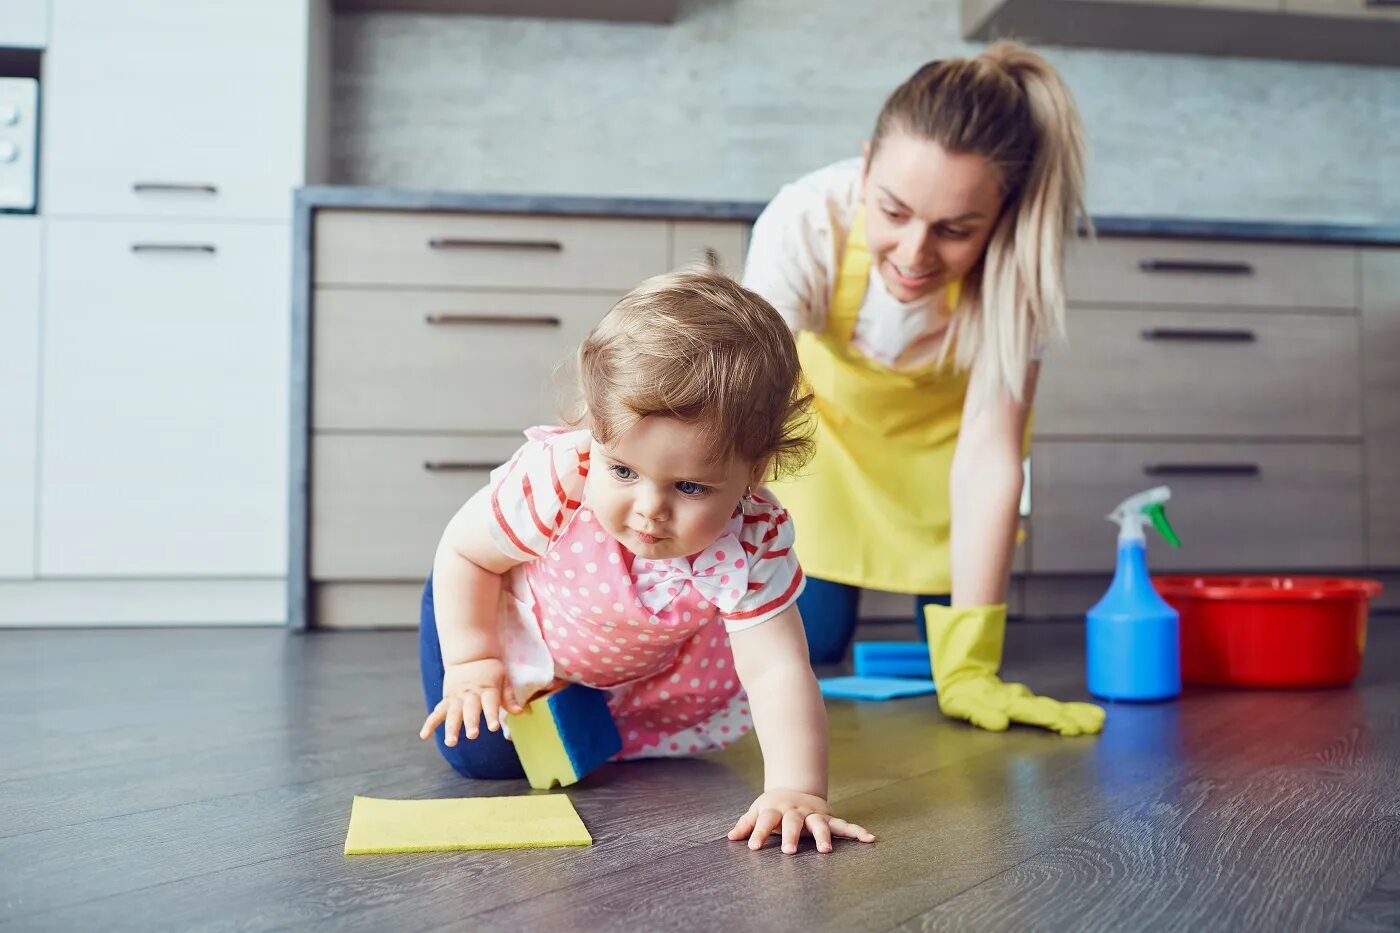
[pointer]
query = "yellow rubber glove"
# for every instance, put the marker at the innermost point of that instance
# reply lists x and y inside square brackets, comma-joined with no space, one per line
[965,646]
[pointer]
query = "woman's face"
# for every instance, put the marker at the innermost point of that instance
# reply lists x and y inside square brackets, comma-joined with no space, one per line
[928,213]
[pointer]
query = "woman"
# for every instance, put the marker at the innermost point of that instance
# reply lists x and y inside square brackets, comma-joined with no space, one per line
[924,281]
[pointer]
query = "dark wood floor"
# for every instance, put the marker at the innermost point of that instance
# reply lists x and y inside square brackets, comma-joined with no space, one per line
[190,780]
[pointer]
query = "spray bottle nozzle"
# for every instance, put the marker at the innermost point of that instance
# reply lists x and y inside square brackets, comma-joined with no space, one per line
[1135,511]
[1158,514]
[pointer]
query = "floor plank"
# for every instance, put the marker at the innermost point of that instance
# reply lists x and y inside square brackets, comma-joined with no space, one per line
[202,780]
[1256,841]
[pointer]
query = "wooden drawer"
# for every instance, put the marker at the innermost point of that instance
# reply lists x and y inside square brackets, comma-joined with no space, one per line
[1381,368]
[445,361]
[368,605]
[379,503]
[146,104]
[690,239]
[1213,273]
[1366,9]
[1218,374]
[435,249]
[1263,507]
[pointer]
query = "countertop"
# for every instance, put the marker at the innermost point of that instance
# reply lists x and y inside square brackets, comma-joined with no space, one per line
[355,197]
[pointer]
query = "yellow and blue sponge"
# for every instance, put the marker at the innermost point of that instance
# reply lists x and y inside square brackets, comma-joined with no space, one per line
[563,736]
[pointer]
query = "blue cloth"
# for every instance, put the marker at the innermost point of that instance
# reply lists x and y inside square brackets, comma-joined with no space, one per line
[874,688]
[489,756]
[829,614]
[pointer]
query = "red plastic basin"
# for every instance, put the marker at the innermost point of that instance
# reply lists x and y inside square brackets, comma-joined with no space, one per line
[1270,631]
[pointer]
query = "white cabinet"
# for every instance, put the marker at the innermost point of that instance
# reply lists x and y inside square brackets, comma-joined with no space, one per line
[165,381]
[24,24]
[164,108]
[19,373]
[175,134]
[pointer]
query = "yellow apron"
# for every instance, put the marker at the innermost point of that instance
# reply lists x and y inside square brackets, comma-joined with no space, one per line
[872,507]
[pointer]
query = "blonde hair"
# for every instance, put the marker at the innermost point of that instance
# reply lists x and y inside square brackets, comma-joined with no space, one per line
[1010,106]
[697,346]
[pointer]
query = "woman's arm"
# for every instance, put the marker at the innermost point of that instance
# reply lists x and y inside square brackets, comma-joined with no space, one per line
[985,495]
[965,641]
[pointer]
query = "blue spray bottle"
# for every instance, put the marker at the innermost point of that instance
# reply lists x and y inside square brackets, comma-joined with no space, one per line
[1133,635]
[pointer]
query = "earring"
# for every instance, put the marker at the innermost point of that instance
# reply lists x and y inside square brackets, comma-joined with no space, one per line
[748,492]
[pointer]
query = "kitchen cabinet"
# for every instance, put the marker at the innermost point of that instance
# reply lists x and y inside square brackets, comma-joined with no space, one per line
[1359,32]
[19,391]
[24,24]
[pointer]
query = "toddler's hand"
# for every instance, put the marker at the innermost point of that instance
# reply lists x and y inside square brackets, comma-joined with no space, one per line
[790,812]
[469,690]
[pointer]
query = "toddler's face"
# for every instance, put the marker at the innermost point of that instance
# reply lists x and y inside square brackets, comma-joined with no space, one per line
[654,491]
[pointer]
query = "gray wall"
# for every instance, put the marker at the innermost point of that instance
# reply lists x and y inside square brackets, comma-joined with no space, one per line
[741,95]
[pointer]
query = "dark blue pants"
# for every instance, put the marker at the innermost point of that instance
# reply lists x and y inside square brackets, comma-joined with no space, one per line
[489,755]
[829,614]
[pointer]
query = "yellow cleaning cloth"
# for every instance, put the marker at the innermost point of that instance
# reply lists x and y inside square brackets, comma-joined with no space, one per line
[463,823]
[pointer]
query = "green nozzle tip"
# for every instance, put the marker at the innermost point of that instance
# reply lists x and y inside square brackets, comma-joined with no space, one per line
[1158,513]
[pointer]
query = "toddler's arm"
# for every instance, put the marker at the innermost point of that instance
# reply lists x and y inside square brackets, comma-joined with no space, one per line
[788,714]
[467,571]
[790,719]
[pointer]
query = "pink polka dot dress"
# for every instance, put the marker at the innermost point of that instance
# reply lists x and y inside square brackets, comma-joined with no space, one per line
[653,634]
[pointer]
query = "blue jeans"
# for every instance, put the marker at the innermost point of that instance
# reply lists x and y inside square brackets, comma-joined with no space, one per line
[829,614]
[488,756]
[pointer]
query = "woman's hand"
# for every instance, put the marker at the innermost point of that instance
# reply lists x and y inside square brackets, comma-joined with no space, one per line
[470,689]
[791,813]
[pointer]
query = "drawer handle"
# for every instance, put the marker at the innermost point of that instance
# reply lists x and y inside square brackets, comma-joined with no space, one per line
[1205,335]
[144,187]
[1204,266]
[456,466]
[537,246]
[207,248]
[1201,469]
[1383,2]
[495,320]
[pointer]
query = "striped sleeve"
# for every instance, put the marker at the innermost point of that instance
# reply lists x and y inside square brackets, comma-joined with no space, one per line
[775,576]
[537,492]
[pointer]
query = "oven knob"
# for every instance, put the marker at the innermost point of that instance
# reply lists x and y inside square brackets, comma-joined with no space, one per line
[8,152]
[9,114]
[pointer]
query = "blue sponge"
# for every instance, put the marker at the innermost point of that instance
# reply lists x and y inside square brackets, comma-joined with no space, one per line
[892,659]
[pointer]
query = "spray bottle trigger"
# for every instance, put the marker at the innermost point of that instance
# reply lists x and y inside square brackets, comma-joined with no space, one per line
[1158,514]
